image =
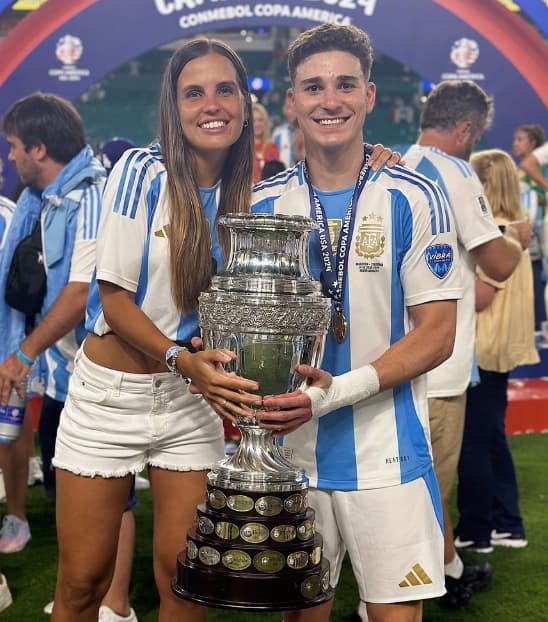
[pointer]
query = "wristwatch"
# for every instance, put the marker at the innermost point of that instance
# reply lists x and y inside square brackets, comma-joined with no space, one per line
[171,361]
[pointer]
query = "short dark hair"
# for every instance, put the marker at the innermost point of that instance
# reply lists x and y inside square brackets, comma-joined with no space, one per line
[45,118]
[454,101]
[534,132]
[328,37]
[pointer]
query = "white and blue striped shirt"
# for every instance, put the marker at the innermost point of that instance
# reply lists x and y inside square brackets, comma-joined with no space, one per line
[59,358]
[475,226]
[399,256]
[132,245]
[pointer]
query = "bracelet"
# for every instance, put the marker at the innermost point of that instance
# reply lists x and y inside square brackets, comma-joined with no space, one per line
[171,361]
[345,390]
[23,357]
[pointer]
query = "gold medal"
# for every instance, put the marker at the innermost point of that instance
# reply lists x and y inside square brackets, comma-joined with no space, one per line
[339,325]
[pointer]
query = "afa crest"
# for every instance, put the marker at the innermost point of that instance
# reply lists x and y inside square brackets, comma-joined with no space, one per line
[370,237]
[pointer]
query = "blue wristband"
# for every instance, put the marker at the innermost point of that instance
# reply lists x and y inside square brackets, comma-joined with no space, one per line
[23,357]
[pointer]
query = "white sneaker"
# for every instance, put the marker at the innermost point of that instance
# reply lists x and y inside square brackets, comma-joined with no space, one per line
[35,471]
[141,483]
[107,615]
[5,594]
[14,535]
[48,608]
[508,539]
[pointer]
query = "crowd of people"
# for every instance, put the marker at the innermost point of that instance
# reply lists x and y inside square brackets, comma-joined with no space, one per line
[129,238]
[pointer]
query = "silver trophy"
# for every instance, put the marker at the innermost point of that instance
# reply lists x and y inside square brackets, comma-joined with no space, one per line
[254,546]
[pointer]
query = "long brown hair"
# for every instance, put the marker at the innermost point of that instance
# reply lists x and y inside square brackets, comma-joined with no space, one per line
[497,171]
[189,235]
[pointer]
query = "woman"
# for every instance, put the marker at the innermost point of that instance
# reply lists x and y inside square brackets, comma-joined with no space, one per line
[533,200]
[265,149]
[487,489]
[157,248]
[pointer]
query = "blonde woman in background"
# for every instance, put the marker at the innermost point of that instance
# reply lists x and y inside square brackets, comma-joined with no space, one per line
[265,149]
[487,489]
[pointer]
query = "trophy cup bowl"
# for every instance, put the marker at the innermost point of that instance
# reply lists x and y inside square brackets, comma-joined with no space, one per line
[254,546]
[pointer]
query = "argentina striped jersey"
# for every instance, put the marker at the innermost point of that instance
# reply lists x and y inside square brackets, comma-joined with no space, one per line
[475,226]
[59,357]
[400,255]
[132,245]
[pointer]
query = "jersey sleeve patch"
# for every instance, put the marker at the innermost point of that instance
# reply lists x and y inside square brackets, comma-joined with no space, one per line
[439,259]
[483,205]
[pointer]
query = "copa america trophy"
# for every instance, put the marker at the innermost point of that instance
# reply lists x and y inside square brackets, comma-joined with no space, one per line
[254,545]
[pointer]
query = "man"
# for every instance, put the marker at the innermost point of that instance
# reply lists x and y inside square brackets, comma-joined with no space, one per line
[452,122]
[393,282]
[48,148]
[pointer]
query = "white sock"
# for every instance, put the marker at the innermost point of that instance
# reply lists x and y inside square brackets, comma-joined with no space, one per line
[455,568]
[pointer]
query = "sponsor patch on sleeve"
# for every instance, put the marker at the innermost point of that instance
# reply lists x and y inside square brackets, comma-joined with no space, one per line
[483,205]
[439,258]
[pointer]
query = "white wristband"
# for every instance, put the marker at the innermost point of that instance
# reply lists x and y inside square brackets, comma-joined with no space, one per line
[345,390]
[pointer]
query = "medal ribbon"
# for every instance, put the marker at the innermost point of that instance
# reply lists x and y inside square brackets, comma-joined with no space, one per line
[334,272]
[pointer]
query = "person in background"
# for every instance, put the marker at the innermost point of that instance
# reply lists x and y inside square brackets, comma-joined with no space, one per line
[64,180]
[158,246]
[452,121]
[271,168]
[533,201]
[362,434]
[534,163]
[487,492]
[265,149]
[283,135]
[7,208]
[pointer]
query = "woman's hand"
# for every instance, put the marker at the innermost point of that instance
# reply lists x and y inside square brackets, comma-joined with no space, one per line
[286,412]
[383,155]
[227,393]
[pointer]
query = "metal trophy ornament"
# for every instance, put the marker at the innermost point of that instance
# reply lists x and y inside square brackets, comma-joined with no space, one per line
[254,545]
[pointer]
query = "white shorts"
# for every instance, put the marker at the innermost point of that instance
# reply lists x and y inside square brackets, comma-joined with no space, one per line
[115,423]
[394,538]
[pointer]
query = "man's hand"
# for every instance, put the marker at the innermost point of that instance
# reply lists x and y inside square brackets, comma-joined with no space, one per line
[12,373]
[286,412]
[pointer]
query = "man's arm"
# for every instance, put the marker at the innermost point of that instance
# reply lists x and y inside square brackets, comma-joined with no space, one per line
[531,166]
[423,348]
[65,313]
[499,257]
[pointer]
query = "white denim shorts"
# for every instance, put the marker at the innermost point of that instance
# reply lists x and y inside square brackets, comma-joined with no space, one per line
[393,537]
[115,423]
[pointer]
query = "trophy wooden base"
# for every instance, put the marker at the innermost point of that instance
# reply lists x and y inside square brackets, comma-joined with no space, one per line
[254,552]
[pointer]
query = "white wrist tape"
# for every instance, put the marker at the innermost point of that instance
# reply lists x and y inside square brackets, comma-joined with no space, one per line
[345,390]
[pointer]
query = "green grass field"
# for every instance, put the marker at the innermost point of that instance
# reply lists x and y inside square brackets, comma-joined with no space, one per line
[519,592]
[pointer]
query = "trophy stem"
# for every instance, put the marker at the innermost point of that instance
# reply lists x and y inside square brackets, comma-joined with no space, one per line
[258,460]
